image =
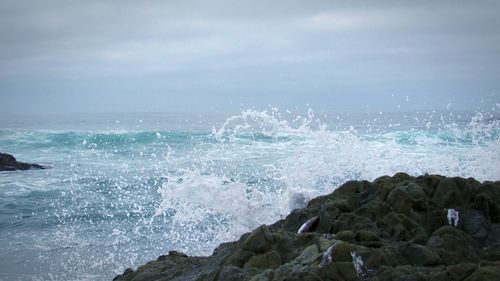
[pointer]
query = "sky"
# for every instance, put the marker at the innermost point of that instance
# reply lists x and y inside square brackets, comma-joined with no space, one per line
[201,56]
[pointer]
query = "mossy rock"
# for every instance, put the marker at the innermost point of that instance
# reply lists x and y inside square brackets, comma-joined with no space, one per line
[400,273]
[239,258]
[353,222]
[461,271]
[267,260]
[485,273]
[453,245]
[368,238]
[345,235]
[453,193]
[398,227]
[409,199]
[419,255]
[231,273]
[260,241]
[487,201]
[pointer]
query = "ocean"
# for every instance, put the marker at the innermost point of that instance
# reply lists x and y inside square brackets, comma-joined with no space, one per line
[124,188]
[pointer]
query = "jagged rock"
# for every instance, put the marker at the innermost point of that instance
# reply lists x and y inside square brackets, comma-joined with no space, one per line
[396,225]
[9,163]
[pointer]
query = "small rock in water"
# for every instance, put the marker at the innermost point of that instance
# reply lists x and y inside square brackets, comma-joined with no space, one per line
[308,225]
[452,217]
[9,163]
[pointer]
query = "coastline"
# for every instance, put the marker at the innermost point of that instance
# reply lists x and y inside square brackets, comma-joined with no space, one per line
[428,227]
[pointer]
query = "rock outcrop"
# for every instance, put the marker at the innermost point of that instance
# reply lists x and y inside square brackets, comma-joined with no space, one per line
[9,163]
[394,228]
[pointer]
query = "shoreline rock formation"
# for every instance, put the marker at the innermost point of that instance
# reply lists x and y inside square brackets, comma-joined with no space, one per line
[395,228]
[9,163]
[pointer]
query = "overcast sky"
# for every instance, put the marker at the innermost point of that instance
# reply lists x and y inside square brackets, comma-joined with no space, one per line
[86,56]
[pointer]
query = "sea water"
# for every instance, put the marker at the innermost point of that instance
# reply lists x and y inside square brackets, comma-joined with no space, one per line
[123,189]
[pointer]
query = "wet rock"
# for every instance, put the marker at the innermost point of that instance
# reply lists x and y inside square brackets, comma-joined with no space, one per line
[475,224]
[231,273]
[400,273]
[260,241]
[408,198]
[397,225]
[487,202]
[485,273]
[453,193]
[270,259]
[368,238]
[419,255]
[239,258]
[346,235]
[461,271]
[9,163]
[453,245]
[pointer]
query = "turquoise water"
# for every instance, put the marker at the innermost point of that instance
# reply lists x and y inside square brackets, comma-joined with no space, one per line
[125,188]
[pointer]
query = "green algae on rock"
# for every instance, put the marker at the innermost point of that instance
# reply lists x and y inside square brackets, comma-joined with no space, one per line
[395,227]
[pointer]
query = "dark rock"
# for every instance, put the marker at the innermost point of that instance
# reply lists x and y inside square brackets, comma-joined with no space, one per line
[270,259]
[453,245]
[453,193]
[260,241]
[485,273]
[461,271]
[475,224]
[419,255]
[9,163]
[408,198]
[346,235]
[397,225]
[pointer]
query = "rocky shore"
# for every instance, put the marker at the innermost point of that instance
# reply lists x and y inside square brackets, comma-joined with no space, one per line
[394,228]
[9,163]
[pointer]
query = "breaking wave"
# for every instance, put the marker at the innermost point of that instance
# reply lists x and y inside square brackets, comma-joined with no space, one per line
[117,199]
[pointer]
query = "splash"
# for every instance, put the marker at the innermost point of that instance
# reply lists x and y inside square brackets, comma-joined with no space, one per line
[117,199]
[260,166]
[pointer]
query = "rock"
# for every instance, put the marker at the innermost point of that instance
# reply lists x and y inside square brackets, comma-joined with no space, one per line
[270,259]
[398,226]
[260,241]
[461,270]
[453,245]
[408,198]
[419,255]
[309,255]
[9,163]
[453,193]
[368,237]
[485,273]
[487,202]
[475,224]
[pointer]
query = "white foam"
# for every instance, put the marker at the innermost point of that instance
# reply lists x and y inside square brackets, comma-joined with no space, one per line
[301,158]
[252,170]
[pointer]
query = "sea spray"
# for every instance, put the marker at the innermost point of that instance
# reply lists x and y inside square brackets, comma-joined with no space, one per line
[117,198]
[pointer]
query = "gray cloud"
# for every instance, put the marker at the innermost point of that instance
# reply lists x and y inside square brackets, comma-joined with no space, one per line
[217,55]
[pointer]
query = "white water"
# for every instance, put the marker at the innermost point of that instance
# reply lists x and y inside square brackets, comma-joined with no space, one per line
[121,197]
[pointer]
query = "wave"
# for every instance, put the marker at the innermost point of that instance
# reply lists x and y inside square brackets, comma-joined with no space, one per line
[125,197]
[262,166]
